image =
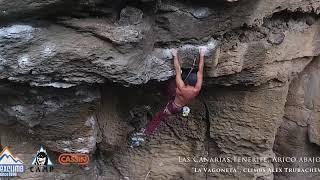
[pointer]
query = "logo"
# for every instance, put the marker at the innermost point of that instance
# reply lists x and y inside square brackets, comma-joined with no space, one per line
[42,162]
[10,165]
[80,159]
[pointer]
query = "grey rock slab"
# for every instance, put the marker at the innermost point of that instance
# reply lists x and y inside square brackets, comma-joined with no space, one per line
[60,118]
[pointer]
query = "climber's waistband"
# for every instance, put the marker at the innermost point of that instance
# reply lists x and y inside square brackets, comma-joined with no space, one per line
[172,108]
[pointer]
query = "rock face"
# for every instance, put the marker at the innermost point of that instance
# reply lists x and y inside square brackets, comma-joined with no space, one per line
[60,120]
[79,76]
[11,7]
[299,132]
[240,124]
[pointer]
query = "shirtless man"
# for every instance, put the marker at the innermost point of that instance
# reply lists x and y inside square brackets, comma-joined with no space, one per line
[185,92]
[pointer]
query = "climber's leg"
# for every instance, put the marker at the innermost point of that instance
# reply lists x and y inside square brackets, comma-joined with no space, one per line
[139,138]
[155,122]
[172,108]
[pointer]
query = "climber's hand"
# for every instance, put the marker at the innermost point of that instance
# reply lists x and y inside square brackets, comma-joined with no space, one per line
[174,52]
[202,51]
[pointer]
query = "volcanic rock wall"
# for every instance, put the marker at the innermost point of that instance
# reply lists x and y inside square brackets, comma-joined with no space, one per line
[80,75]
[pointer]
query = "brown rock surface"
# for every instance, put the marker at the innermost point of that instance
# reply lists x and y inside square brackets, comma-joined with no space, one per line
[298,135]
[79,76]
[243,123]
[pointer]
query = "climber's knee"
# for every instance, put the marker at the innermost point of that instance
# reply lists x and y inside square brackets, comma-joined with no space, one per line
[171,108]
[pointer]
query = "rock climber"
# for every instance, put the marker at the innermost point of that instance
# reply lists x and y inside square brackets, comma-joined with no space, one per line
[185,91]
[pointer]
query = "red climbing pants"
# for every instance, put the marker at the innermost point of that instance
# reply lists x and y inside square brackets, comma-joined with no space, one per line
[155,122]
[170,109]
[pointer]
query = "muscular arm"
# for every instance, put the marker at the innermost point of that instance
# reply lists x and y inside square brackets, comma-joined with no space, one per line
[200,71]
[177,68]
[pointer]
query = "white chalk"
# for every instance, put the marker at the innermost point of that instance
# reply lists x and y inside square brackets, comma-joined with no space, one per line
[24,60]
[15,31]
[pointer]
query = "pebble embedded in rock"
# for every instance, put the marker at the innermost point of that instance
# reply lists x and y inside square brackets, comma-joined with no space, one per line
[130,16]
[276,38]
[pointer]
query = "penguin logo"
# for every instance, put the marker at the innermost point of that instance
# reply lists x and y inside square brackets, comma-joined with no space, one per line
[42,158]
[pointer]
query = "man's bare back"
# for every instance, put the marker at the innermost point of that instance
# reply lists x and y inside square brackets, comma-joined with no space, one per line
[185,93]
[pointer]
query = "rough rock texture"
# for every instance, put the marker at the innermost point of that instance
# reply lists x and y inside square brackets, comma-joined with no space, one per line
[244,123]
[15,10]
[299,133]
[65,68]
[160,157]
[136,50]
[61,119]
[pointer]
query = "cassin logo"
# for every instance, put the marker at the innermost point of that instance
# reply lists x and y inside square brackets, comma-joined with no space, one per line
[42,162]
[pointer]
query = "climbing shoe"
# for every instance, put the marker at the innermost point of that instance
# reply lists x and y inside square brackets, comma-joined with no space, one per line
[138,138]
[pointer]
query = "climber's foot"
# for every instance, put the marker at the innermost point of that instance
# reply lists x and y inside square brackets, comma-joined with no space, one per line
[138,138]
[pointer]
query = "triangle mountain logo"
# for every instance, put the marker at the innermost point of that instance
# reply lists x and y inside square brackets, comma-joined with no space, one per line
[6,158]
[10,165]
[42,158]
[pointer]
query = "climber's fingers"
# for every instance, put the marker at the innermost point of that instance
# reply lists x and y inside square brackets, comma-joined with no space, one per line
[174,52]
[202,51]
